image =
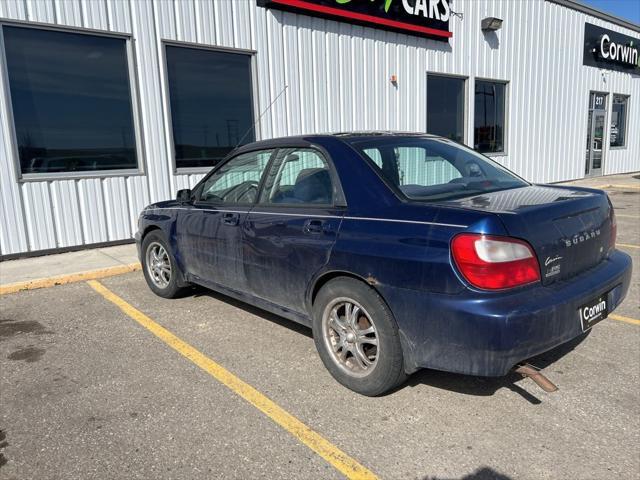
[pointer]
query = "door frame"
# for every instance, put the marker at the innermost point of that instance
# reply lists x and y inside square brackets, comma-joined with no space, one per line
[594,112]
[595,172]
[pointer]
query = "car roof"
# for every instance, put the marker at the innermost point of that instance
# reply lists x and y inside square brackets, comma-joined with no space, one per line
[310,139]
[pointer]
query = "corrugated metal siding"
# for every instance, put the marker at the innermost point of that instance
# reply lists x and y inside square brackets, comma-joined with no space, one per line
[338,79]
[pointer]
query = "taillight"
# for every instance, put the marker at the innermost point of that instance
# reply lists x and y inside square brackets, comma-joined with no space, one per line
[493,263]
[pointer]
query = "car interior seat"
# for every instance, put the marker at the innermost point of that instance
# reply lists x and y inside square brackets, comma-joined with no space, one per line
[313,185]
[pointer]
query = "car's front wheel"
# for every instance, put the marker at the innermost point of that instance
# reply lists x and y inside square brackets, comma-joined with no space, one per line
[357,337]
[159,266]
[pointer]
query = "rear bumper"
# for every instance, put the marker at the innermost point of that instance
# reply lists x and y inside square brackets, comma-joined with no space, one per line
[486,334]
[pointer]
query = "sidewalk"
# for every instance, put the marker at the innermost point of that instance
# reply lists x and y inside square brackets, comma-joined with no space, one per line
[625,180]
[122,258]
[118,259]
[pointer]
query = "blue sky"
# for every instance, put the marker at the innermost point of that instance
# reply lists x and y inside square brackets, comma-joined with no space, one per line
[627,9]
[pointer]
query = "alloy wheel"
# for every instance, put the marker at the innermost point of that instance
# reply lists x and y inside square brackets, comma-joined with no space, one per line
[351,337]
[158,265]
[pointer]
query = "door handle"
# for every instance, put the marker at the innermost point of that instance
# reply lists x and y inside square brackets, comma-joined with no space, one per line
[313,227]
[230,218]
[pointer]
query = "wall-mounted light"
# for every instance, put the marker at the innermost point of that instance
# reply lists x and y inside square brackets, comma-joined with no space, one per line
[491,24]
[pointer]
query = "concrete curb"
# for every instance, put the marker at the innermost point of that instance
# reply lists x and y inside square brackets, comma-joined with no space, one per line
[68,278]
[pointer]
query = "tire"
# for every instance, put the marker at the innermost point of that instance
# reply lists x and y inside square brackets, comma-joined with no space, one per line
[369,367]
[166,285]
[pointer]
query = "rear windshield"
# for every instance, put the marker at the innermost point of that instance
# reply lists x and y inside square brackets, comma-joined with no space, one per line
[434,169]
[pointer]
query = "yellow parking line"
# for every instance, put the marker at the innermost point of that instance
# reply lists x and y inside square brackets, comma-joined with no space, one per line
[621,318]
[626,245]
[332,454]
[69,278]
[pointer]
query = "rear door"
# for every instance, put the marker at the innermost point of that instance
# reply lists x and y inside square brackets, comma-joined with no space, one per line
[209,233]
[291,230]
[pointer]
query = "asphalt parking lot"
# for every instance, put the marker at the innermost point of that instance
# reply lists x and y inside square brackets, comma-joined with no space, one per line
[91,390]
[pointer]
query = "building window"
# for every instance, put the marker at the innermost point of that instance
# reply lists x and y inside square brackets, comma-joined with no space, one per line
[488,135]
[618,121]
[71,99]
[445,106]
[211,104]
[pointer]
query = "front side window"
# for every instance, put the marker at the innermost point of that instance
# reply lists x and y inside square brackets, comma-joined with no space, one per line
[237,180]
[301,176]
[71,100]
[617,137]
[433,169]
[445,107]
[489,123]
[211,101]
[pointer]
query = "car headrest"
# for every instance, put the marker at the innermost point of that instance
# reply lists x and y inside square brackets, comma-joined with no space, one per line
[313,185]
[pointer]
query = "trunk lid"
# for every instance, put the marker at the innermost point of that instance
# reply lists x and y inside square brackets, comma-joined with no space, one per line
[569,228]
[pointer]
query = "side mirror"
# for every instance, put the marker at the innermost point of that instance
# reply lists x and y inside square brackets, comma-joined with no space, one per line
[184,195]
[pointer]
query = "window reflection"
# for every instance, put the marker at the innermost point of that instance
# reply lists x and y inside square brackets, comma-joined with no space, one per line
[301,177]
[211,104]
[618,121]
[237,180]
[71,101]
[445,107]
[430,169]
[489,116]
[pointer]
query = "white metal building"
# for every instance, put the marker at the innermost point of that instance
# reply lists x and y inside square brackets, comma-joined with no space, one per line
[108,105]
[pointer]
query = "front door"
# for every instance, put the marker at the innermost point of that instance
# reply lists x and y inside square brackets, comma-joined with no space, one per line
[290,232]
[595,135]
[209,232]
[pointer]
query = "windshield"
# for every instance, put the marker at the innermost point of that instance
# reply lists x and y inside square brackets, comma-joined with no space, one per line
[434,169]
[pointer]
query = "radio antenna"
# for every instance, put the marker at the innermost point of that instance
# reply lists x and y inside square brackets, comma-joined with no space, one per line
[261,115]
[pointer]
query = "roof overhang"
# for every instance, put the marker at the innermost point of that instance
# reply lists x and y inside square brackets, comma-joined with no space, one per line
[581,7]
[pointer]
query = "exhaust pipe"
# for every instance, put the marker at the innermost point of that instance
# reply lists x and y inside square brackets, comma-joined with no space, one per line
[537,376]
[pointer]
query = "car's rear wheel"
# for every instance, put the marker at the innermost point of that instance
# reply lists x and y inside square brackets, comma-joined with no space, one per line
[357,337]
[159,266]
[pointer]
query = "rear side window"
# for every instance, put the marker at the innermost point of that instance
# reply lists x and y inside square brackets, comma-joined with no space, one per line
[299,177]
[237,180]
[434,168]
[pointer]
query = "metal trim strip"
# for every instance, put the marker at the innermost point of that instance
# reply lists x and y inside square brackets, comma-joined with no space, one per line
[370,219]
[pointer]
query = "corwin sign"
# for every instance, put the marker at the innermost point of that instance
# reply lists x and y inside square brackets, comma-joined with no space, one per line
[611,50]
[428,18]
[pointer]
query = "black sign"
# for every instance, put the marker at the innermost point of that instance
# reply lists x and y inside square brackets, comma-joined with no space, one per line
[599,101]
[428,18]
[611,50]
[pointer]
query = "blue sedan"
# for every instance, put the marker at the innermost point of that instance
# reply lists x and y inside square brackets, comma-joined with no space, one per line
[401,251]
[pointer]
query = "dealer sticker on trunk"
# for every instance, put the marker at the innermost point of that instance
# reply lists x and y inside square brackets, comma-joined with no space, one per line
[552,270]
[593,312]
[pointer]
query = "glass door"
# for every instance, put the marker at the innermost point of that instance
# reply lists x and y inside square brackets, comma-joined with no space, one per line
[597,141]
[595,134]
